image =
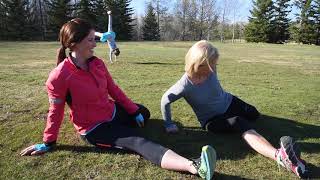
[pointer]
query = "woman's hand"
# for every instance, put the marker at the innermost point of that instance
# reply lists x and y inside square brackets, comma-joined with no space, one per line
[140,120]
[35,149]
[171,128]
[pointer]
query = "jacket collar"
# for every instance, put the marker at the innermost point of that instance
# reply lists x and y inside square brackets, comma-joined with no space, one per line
[69,59]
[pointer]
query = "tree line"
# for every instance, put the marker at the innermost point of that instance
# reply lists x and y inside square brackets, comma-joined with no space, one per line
[269,20]
[188,20]
[42,19]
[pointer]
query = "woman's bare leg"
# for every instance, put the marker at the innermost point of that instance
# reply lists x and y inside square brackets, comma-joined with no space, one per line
[173,161]
[259,144]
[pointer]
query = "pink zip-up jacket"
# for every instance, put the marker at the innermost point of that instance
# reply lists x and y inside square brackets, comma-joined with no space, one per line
[91,92]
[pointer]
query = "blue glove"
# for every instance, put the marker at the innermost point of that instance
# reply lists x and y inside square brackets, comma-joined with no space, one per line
[41,147]
[140,120]
[171,127]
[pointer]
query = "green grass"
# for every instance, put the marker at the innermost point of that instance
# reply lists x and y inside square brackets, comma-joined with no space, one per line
[282,81]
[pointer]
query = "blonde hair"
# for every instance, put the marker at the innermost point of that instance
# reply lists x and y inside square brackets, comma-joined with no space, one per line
[201,52]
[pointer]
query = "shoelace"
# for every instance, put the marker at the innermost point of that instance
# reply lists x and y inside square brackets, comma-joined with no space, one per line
[296,158]
[286,161]
[197,163]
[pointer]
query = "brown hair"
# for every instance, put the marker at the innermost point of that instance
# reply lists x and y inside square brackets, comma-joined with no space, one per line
[71,33]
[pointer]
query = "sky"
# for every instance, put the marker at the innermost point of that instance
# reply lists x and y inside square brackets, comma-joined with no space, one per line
[242,14]
[140,6]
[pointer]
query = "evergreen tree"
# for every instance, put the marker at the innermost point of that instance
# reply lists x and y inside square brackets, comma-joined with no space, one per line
[317,21]
[18,23]
[280,23]
[3,20]
[294,30]
[123,22]
[150,28]
[100,10]
[306,23]
[259,28]
[86,10]
[59,12]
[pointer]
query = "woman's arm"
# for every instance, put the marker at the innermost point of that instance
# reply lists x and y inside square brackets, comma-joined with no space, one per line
[174,93]
[57,90]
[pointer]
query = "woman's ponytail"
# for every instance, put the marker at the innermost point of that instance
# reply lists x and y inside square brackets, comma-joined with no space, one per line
[61,54]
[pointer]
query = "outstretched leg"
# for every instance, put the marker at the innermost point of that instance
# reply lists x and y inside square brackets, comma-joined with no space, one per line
[240,125]
[259,144]
[203,166]
[287,155]
[170,159]
[120,136]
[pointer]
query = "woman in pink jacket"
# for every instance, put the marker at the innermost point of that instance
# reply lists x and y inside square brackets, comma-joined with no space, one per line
[99,110]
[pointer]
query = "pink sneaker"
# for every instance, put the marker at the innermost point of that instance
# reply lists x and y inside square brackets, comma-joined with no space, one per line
[288,156]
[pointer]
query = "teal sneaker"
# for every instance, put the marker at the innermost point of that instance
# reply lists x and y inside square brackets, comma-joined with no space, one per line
[206,164]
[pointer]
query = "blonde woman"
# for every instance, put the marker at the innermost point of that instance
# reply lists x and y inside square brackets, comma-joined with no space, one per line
[221,112]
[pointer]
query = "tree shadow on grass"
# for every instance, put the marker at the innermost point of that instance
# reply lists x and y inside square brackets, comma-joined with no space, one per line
[314,171]
[272,128]
[189,140]
[89,148]
[222,176]
[157,63]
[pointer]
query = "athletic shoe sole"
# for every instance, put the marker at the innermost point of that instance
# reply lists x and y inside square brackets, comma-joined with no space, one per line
[210,158]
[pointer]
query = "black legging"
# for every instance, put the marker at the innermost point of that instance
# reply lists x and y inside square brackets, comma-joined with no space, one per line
[120,134]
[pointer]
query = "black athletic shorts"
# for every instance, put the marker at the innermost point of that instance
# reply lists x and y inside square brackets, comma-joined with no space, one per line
[236,119]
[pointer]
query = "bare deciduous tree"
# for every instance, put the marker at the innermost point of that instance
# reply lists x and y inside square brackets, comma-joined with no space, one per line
[137,30]
[225,9]
[161,8]
[182,7]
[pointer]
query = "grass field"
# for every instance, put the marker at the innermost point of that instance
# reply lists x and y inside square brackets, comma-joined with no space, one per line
[282,81]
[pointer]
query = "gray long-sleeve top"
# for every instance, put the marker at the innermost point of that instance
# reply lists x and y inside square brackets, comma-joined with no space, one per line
[207,99]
